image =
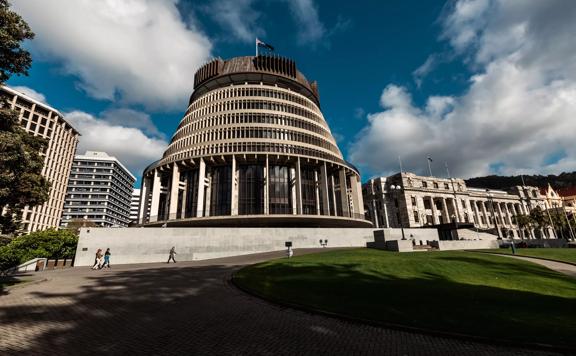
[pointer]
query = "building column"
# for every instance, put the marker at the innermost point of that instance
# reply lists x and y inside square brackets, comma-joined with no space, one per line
[234,189]
[344,193]
[267,187]
[445,212]
[174,190]
[298,188]
[324,189]
[456,213]
[317,191]
[357,199]
[476,213]
[331,182]
[144,192]
[155,203]
[201,186]
[434,212]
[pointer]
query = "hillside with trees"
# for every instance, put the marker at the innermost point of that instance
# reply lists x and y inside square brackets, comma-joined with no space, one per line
[505,182]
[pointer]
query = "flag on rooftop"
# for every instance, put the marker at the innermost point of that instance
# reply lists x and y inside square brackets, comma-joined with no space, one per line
[264,45]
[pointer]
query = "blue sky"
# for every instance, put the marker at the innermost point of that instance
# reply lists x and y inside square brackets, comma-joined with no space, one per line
[463,81]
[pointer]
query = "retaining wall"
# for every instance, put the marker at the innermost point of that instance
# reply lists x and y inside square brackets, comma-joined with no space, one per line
[147,245]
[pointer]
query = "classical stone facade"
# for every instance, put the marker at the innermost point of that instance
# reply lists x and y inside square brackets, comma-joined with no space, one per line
[39,119]
[253,149]
[99,190]
[431,201]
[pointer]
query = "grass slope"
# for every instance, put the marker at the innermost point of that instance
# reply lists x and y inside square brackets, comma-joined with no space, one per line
[459,292]
[559,254]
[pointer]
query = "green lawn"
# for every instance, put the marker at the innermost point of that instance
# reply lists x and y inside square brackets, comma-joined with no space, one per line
[559,254]
[461,292]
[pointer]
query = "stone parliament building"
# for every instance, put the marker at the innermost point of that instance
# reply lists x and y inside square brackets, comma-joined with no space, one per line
[407,200]
[253,149]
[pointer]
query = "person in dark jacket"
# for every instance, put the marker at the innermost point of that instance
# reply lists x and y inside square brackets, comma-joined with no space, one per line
[172,253]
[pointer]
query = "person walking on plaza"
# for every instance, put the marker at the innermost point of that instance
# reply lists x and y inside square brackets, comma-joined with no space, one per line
[98,260]
[106,258]
[172,253]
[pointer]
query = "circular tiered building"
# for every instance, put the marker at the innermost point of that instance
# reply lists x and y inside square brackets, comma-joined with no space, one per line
[253,149]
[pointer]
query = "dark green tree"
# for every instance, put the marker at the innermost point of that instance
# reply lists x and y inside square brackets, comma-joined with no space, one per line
[13,31]
[21,162]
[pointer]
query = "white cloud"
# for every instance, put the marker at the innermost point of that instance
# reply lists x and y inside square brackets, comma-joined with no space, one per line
[131,118]
[237,17]
[518,114]
[138,51]
[310,28]
[130,145]
[31,93]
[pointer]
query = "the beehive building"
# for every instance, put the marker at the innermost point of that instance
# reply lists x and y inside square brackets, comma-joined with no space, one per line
[253,149]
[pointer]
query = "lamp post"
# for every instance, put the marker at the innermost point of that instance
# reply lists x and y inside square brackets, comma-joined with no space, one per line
[396,189]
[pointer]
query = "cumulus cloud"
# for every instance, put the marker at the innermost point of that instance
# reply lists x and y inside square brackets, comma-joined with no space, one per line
[237,17]
[138,51]
[132,146]
[31,93]
[311,29]
[517,116]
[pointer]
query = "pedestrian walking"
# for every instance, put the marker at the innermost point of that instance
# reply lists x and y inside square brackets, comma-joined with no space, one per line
[172,253]
[107,258]
[98,259]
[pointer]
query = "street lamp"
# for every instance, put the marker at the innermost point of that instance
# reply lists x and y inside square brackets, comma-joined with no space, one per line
[396,189]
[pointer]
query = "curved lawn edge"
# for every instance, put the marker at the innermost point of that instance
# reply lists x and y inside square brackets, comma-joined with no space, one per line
[400,327]
[509,254]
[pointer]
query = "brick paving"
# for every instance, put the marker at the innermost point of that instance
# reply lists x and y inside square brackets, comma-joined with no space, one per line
[189,309]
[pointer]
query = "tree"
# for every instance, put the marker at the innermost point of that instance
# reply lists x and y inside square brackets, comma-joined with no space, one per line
[13,31]
[21,180]
[74,225]
[41,244]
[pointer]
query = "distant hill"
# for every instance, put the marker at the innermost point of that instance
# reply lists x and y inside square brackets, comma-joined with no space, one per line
[504,183]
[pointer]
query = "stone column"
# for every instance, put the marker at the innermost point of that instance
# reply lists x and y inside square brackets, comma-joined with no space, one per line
[445,212]
[201,186]
[298,188]
[317,191]
[267,187]
[486,217]
[333,186]
[144,192]
[434,212]
[357,199]
[234,189]
[476,213]
[344,192]
[456,213]
[324,189]
[174,190]
[155,203]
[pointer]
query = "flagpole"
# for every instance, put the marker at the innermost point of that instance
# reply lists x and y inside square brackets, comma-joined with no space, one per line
[429,167]
[447,171]
[256,47]
[400,162]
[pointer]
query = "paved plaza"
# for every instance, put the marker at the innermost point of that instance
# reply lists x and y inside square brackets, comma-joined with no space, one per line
[186,309]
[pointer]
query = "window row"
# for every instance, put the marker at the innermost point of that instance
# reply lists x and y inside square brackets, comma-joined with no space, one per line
[232,105]
[262,147]
[250,132]
[251,118]
[251,91]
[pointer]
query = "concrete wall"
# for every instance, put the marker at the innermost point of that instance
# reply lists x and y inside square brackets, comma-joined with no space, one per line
[468,234]
[399,245]
[416,234]
[146,245]
[465,245]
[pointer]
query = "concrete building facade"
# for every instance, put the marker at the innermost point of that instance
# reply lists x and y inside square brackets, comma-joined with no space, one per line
[253,149]
[39,119]
[134,205]
[100,190]
[408,200]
